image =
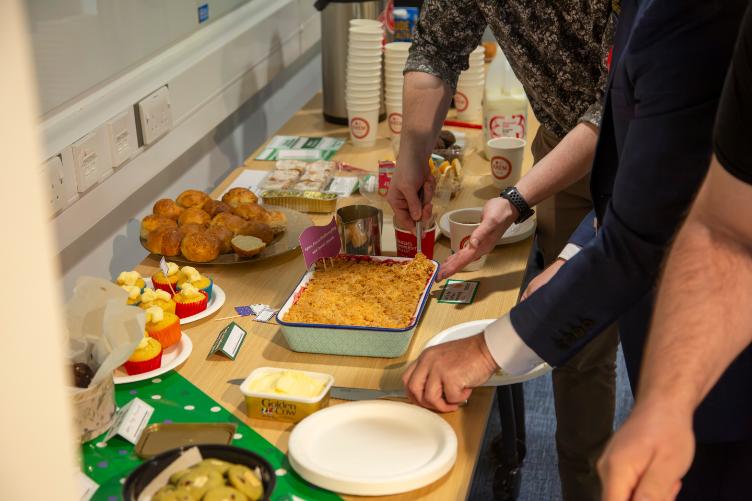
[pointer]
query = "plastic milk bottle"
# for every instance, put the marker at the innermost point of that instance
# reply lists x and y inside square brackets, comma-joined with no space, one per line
[505,103]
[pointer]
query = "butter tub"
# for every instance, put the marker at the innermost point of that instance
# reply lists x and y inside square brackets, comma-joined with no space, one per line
[284,407]
[351,340]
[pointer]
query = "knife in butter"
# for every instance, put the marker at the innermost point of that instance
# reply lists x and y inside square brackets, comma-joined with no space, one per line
[345,393]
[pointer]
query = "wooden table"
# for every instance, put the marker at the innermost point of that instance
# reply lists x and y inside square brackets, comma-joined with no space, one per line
[271,281]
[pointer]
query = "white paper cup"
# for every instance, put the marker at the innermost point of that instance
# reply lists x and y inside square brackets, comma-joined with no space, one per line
[398,46]
[469,102]
[506,155]
[355,74]
[394,118]
[394,93]
[359,104]
[462,223]
[367,83]
[363,123]
[358,46]
[369,23]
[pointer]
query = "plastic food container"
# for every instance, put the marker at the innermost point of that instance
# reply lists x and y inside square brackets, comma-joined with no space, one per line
[301,201]
[351,340]
[284,407]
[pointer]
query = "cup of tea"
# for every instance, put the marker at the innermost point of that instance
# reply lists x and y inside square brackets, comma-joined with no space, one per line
[462,224]
[506,160]
[407,243]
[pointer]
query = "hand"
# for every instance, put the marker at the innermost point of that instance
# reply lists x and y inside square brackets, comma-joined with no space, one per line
[403,195]
[498,216]
[648,456]
[542,278]
[444,375]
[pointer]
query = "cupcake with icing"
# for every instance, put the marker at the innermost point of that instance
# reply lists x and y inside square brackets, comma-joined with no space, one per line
[190,301]
[147,357]
[162,326]
[134,294]
[190,275]
[163,299]
[130,278]
[168,282]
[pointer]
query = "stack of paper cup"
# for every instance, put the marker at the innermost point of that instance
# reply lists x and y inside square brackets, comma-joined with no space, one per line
[395,57]
[363,86]
[469,96]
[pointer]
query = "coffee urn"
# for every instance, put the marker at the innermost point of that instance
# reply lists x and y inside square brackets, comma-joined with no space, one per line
[335,25]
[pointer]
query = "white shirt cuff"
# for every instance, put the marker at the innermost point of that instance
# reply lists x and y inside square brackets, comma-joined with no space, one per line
[508,349]
[569,251]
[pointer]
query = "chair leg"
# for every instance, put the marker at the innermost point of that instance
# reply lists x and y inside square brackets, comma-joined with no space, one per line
[507,477]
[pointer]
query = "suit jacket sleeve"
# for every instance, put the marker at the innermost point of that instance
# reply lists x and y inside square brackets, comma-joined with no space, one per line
[662,134]
[585,232]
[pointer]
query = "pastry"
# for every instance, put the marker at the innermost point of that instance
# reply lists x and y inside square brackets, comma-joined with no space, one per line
[247,246]
[277,221]
[237,196]
[201,480]
[223,236]
[308,185]
[214,207]
[193,215]
[190,275]
[82,375]
[229,221]
[187,229]
[192,198]
[164,241]
[252,212]
[190,301]
[168,282]
[147,357]
[158,297]
[130,278]
[217,464]
[134,294]
[152,222]
[224,493]
[246,481]
[163,326]
[167,208]
[258,230]
[200,247]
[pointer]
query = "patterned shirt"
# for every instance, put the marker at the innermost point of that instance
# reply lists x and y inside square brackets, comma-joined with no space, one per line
[557,48]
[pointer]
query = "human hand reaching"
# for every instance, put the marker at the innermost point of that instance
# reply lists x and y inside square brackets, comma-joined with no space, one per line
[403,195]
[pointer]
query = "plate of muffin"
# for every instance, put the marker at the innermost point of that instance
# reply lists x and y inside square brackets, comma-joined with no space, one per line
[194,228]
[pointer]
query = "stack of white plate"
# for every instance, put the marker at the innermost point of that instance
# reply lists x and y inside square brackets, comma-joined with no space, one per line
[363,86]
[395,57]
[469,96]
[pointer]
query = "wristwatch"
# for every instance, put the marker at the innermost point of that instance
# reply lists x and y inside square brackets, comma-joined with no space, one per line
[516,199]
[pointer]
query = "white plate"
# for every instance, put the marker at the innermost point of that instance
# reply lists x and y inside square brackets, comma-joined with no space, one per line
[171,358]
[468,329]
[372,448]
[215,303]
[515,233]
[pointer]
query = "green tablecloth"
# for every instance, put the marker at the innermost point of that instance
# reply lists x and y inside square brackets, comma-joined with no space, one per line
[175,399]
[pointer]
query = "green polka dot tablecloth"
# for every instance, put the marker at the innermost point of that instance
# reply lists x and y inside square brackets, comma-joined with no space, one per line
[175,399]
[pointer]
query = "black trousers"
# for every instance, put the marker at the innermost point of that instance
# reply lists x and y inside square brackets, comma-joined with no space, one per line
[719,472]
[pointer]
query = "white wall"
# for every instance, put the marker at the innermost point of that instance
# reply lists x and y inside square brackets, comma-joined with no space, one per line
[112,245]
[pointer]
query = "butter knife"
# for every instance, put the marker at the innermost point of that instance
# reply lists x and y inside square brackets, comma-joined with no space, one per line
[345,393]
[419,224]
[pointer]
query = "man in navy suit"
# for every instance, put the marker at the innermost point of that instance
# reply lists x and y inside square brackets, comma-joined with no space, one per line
[669,62]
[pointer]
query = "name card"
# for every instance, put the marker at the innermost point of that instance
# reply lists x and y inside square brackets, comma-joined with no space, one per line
[131,420]
[229,341]
[459,291]
[318,242]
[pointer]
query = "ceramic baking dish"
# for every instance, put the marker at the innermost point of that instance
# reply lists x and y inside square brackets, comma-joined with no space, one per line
[351,340]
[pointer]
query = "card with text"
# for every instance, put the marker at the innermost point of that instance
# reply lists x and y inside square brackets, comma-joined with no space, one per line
[229,341]
[130,420]
[459,291]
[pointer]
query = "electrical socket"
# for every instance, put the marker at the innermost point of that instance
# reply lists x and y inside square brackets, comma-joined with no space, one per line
[155,115]
[52,176]
[121,134]
[91,159]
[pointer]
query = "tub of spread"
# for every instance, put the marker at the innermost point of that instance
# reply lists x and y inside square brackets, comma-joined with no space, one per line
[285,394]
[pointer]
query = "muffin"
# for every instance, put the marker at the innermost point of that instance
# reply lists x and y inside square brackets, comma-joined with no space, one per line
[214,207]
[200,247]
[190,301]
[169,282]
[277,221]
[258,230]
[252,212]
[158,297]
[167,208]
[192,198]
[237,196]
[223,236]
[152,222]
[164,241]
[193,215]
[147,357]
[130,278]
[247,246]
[134,294]
[190,275]
[229,221]
[163,326]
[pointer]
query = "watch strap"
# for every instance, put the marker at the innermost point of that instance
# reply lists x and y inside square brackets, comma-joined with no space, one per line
[519,203]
